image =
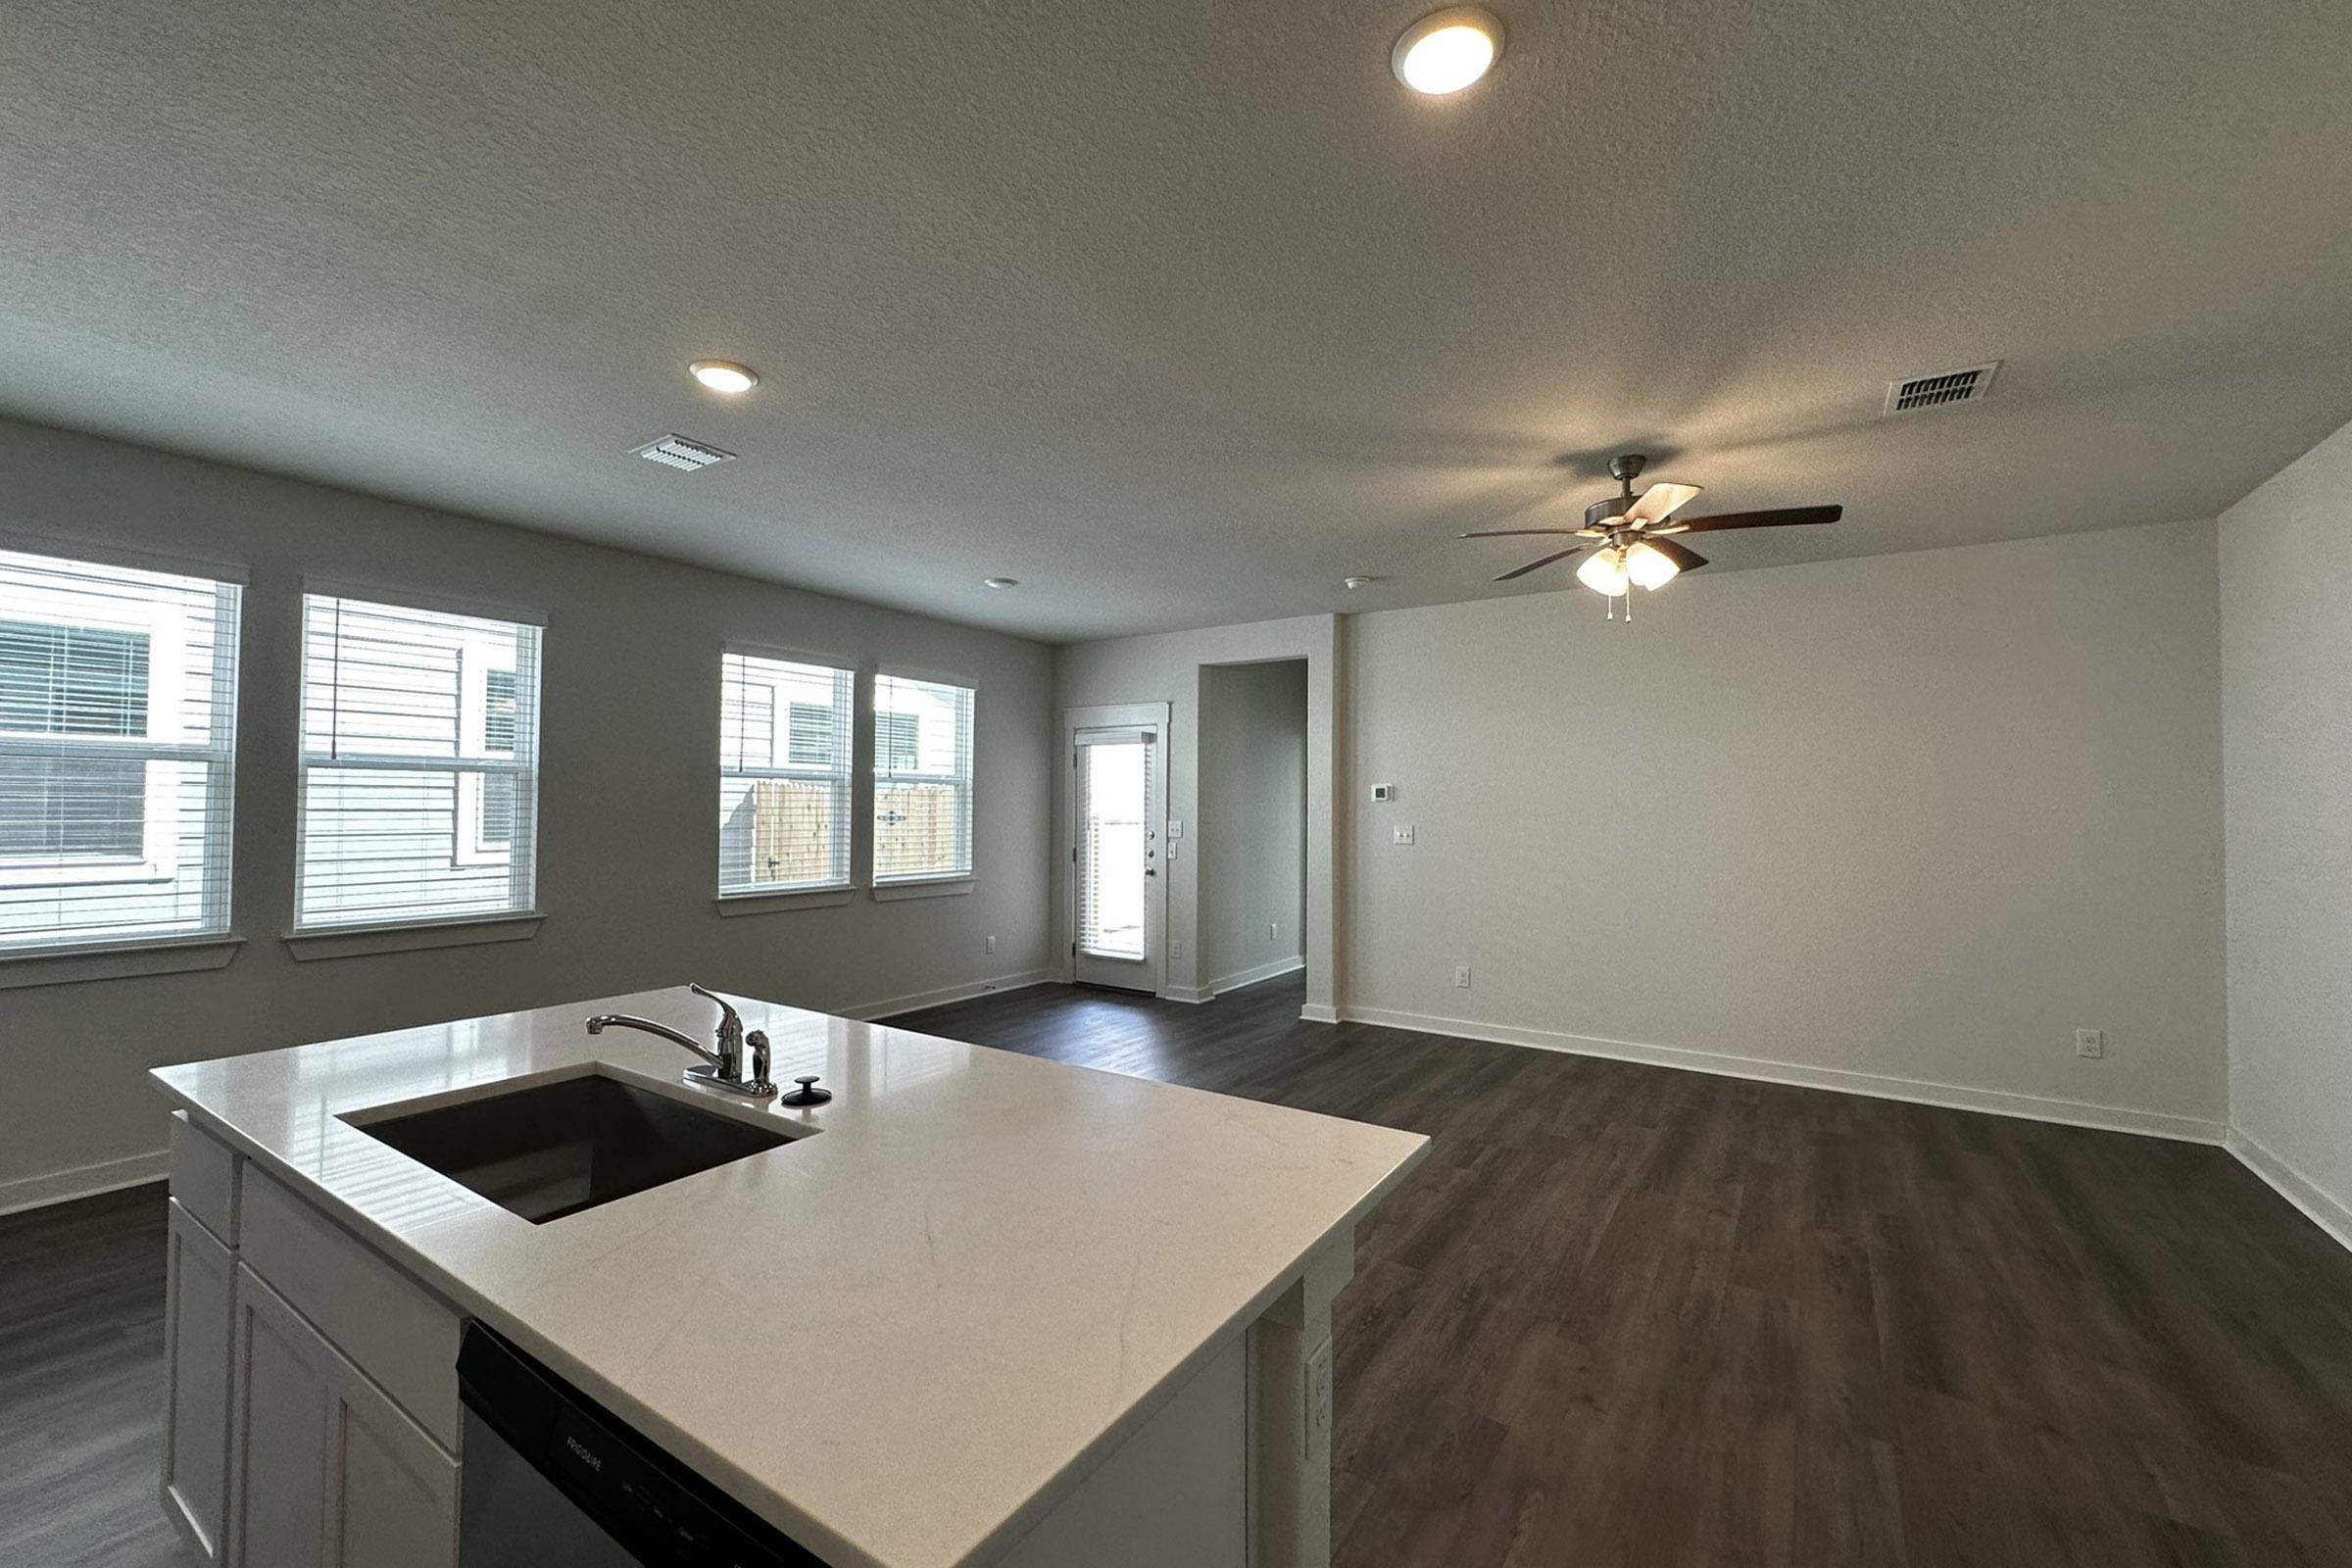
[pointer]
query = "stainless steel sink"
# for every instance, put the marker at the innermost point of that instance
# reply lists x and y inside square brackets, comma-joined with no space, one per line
[557,1148]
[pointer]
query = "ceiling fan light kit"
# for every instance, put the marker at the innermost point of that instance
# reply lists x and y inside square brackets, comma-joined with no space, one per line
[1638,553]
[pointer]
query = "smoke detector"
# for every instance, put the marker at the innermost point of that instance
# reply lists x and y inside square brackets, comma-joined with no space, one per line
[676,452]
[1968,384]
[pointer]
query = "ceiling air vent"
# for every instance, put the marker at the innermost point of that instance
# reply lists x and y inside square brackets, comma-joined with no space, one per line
[676,452]
[1945,386]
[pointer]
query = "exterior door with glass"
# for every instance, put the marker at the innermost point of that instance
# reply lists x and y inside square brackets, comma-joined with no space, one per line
[1117,856]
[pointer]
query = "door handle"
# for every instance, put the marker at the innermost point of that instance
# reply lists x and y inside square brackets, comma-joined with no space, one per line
[1151,871]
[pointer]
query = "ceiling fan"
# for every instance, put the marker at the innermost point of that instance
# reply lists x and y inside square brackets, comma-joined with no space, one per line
[1640,554]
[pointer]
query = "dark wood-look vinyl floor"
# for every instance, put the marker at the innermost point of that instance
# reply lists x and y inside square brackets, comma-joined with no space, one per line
[1623,1316]
[81,1385]
[1627,1316]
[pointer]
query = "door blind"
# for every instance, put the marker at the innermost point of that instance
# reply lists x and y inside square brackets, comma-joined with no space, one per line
[117,743]
[922,779]
[419,765]
[784,761]
[1115,790]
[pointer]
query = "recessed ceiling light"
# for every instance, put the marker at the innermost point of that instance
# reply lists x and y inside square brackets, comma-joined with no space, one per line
[1002,582]
[725,375]
[1447,50]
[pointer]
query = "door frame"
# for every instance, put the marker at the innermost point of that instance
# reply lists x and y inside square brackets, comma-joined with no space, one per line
[1112,715]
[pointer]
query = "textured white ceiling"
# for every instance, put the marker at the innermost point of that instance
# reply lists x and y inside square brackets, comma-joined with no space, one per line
[1180,312]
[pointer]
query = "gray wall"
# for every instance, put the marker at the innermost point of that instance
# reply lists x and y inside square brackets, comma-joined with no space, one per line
[2286,725]
[1903,823]
[1252,834]
[628,797]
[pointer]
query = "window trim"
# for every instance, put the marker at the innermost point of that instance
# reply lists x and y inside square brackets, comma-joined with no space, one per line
[409,932]
[23,968]
[760,897]
[160,863]
[920,883]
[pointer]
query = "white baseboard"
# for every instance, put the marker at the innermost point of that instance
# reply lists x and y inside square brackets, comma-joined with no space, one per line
[2330,1213]
[1878,1086]
[1193,996]
[1316,1012]
[917,1002]
[1264,972]
[83,1181]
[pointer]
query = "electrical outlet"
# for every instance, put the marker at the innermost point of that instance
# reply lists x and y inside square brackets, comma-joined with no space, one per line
[1461,975]
[1273,931]
[992,942]
[1315,1430]
[1175,947]
[2090,1042]
[1401,833]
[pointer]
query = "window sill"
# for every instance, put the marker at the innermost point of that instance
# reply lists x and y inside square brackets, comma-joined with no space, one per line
[938,887]
[734,903]
[116,960]
[351,942]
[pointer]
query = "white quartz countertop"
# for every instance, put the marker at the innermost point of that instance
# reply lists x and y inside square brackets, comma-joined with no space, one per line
[900,1339]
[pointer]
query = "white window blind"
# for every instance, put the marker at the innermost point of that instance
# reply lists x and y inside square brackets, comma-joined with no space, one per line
[117,743]
[922,779]
[783,774]
[419,765]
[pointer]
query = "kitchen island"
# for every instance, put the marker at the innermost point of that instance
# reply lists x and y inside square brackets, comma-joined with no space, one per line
[977,1308]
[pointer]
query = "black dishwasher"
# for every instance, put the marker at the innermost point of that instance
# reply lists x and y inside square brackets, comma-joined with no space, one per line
[551,1477]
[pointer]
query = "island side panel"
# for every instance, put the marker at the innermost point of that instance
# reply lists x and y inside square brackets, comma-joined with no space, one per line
[1290,1415]
[1175,1495]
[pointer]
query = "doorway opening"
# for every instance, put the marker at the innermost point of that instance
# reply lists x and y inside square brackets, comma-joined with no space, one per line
[1250,848]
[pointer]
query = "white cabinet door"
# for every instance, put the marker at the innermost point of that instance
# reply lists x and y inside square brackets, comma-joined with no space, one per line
[199,1299]
[392,1498]
[325,1469]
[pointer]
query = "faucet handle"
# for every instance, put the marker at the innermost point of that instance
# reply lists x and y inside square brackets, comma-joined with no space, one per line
[758,1083]
[730,1022]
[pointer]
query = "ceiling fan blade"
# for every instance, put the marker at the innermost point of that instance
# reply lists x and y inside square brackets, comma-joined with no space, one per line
[1655,503]
[1522,571]
[1681,555]
[1781,518]
[1513,533]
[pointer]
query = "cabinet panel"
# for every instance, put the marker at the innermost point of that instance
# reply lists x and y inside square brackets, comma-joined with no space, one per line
[278,1461]
[395,1494]
[397,1332]
[199,1303]
[204,1177]
[325,1468]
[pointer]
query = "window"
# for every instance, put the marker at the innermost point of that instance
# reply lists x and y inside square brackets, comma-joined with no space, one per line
[922,780]
[118,740]
[419,765]
[783,796]
[898,743]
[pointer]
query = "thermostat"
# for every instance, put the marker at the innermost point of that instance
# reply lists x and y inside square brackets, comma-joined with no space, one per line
[1383,791]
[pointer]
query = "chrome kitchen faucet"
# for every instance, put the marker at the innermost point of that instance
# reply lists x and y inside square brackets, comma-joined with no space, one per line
[725,1069]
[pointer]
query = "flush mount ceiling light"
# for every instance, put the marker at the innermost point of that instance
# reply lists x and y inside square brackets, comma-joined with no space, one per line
[1000,582]
[1358,581]
[725,375]
[1447,50]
